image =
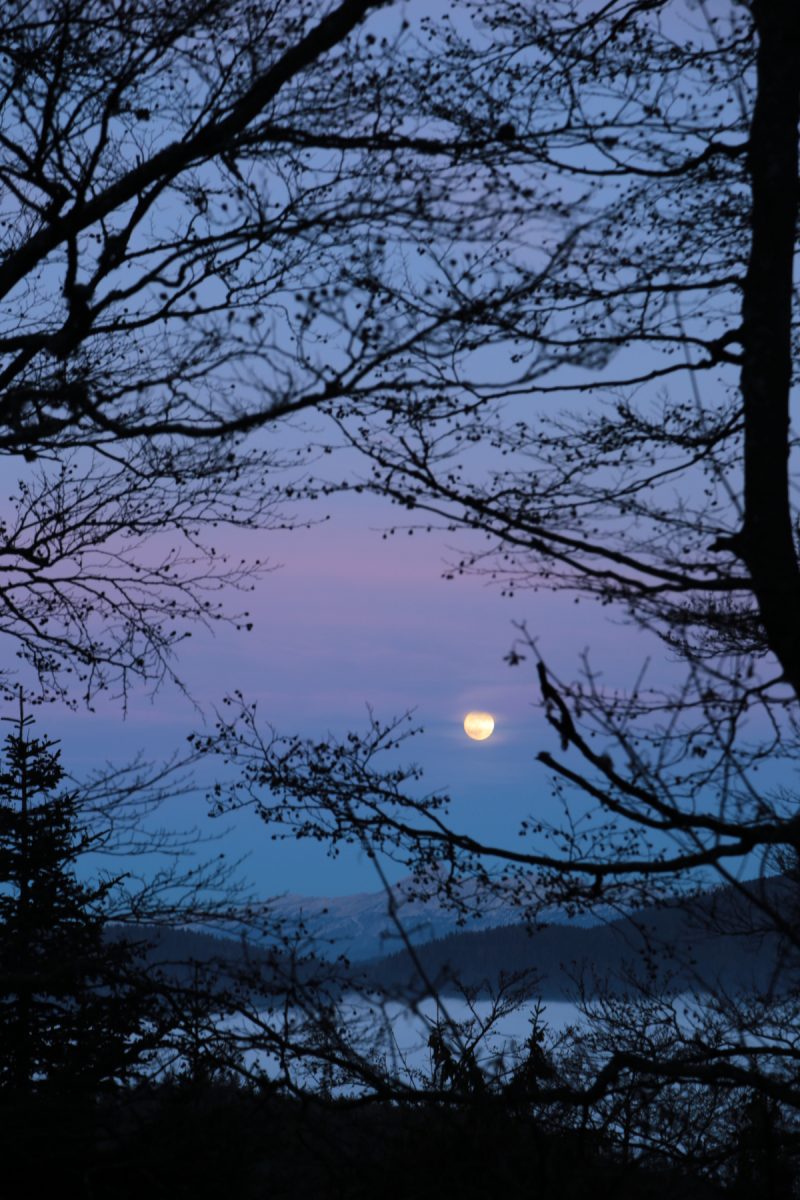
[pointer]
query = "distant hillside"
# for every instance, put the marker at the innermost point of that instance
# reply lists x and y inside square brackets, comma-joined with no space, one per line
[708,942]
[176,953]
[712,940]
[360,925]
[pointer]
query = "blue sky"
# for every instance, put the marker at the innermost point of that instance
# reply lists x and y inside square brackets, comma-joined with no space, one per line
[350,619]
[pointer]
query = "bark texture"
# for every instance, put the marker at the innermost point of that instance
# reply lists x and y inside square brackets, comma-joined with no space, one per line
[768,542]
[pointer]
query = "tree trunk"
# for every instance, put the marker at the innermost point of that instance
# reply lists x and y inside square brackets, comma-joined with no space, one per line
[768,544]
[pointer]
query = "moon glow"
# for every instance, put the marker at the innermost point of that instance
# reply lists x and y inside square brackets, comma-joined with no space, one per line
[479,725]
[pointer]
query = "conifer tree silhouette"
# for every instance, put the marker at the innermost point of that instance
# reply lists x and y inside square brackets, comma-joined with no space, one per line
[71,1001]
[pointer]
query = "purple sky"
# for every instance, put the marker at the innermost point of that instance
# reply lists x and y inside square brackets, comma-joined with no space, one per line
[351,619]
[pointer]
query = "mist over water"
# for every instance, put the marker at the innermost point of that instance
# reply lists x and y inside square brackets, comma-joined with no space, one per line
[399,1034]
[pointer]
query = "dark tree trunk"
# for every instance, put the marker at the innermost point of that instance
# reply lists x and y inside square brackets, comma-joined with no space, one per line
[768,544]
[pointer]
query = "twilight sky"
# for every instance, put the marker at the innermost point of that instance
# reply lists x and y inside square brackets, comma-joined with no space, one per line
[351,619]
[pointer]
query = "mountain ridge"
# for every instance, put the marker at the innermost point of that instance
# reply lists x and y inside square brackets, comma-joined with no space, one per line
[707,942]
[361,926]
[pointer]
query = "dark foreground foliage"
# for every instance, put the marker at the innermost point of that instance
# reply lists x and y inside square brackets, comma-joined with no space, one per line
[175,1141]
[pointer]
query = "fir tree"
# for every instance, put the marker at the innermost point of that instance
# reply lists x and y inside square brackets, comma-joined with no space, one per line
[74,1008]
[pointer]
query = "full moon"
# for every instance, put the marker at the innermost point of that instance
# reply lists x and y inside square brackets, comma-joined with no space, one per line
[479,725]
